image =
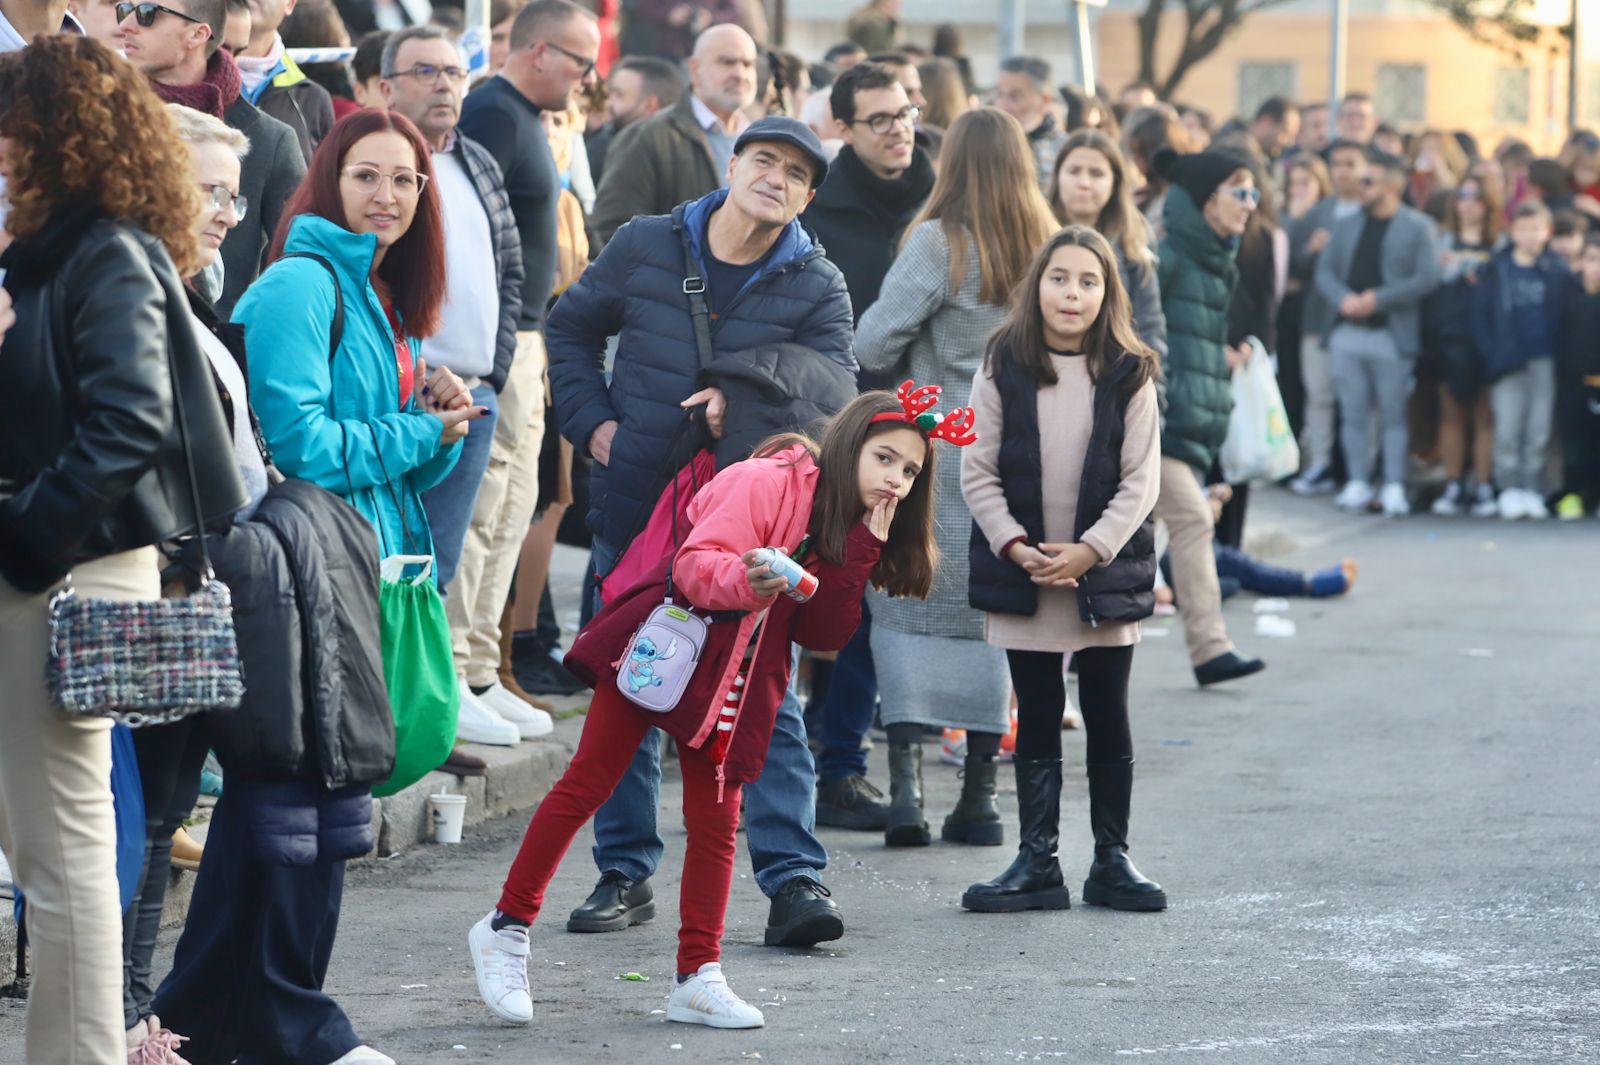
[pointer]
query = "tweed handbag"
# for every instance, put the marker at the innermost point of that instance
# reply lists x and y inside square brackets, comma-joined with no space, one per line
[148,663]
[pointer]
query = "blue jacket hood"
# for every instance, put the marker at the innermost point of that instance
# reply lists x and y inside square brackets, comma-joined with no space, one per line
[794,243]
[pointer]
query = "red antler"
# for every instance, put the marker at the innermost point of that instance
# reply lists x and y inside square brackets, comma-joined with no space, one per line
[957,427]
[916,400]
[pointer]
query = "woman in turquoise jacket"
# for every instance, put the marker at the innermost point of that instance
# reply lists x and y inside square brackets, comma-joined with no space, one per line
[335,378]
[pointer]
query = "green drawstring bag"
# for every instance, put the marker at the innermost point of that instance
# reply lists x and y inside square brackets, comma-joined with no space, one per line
[419,669]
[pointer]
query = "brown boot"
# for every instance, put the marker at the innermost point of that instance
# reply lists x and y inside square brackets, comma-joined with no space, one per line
[507,675]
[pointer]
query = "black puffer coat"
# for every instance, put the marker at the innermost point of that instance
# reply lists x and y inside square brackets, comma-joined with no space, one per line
[777,389]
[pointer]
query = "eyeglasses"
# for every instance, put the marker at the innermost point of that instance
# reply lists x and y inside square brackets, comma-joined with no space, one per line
[883,123]
[1468,194]
[223,198]
[1246,194]
[426,72]
[369,179]
[587,64]
[145,14]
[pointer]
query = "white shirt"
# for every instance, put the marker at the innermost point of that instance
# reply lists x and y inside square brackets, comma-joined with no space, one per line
[712,124]
[469,322]
[252,470]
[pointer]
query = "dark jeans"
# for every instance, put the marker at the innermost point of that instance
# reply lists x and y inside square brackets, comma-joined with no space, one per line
[169,757]
[1258,577]
[847,712]
[246,983]
[1102,698]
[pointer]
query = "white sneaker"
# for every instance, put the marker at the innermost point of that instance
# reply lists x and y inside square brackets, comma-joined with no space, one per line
[501,962]
[706,998]
[1448,505]
[1484,504]
[1512,505]
[1533,506]
[477,723]
[1357,496]
[364,1055]
[1395,503]
[530,720]
[1314,482]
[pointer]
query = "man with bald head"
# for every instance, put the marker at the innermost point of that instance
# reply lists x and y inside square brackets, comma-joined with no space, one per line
[682,153]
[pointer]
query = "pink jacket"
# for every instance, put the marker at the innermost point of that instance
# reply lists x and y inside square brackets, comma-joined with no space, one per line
[757,503]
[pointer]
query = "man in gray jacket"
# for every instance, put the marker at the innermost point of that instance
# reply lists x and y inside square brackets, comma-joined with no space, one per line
[1378,268]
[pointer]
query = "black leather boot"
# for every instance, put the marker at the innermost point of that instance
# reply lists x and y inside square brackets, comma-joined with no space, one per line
[1113,881]
[907,826]
[1034,881]
[615,904]
[803,914]
[976,818]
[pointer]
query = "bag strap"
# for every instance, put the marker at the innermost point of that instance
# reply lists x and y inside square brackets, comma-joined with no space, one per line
[694,287]
[336,333]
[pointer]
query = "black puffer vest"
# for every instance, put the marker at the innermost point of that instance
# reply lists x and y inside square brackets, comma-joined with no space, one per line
[1122,589]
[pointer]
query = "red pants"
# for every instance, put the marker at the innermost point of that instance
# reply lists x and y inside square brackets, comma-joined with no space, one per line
[611,735]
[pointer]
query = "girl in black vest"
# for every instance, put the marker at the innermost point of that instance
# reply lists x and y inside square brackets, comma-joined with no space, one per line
[1061,487]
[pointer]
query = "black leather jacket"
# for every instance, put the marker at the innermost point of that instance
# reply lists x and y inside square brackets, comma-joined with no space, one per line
[91,462]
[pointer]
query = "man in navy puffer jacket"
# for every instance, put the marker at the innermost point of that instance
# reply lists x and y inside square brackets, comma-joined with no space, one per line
[766,282]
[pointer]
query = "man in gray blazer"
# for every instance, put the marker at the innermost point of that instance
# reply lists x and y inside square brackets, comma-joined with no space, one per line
[1378,268]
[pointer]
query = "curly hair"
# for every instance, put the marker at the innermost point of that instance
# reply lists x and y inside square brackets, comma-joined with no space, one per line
[87,131]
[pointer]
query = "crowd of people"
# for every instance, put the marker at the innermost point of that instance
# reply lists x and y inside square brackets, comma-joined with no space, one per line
[377,334]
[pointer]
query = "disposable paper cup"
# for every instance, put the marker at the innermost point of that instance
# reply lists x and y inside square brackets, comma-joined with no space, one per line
[448,813]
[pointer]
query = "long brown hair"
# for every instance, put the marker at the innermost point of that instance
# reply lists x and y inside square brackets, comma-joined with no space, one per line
[1021,340]
[910,557]
[413,269]
[1494,215]
[86,130]
[945,90]
[1120,220]
[987,192]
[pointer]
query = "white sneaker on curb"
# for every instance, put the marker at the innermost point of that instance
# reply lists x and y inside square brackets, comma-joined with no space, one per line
[1448,504]
[1314,482]
[364,1055]
[1484,504]
[501,961]
[1395,503]
[1533,506]
[530,720]
[1357,496]
[705,998]
[1512,505]
[478,723]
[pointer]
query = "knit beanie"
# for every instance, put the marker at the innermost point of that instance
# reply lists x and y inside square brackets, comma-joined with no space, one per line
[1198,173]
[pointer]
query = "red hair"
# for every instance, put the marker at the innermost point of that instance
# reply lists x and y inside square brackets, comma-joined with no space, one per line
[413,270]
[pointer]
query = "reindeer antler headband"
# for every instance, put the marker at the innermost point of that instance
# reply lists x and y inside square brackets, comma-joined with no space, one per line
[954,427]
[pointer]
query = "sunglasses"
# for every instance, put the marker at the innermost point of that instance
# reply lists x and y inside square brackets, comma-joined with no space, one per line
[145,13]
[1251,196]
[584,62]
[222,199]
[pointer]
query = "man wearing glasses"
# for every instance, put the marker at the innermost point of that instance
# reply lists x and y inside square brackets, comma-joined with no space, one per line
[876,185]
[553,46]
[176,44]
[276,85]
[682,153]
[1023,91]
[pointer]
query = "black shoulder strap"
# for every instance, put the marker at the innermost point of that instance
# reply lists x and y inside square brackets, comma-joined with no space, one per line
[336,334]
[694,286]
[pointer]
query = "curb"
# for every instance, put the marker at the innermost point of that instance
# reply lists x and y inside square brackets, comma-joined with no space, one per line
[516,780]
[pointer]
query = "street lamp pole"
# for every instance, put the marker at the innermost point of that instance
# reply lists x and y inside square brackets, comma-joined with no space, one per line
[1336,60]
[1012,16]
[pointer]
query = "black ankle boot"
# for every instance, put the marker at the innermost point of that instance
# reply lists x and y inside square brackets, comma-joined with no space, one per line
[976,818]
[907,826]
[1034,881]
[1113,881]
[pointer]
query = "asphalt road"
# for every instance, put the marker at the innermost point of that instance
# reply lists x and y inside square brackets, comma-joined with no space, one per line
[1381,850]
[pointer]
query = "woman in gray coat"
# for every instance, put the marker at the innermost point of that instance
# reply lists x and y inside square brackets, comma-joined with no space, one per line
[946,294]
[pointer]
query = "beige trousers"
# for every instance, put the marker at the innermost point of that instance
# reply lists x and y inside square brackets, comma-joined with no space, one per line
[507,497]
[58,830]
[1182,506]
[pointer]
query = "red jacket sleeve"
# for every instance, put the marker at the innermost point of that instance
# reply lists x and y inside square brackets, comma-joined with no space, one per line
[828,619]
[735,513]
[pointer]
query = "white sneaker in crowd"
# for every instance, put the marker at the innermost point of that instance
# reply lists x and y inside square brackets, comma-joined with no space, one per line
[477,723]
[1314,482]
[501,961]
[530,720]
[1484,504]
[1513,507]
[1357,496]
[705,998]
[1448,505]
[364,1055]
[1533,506]
[1395,503]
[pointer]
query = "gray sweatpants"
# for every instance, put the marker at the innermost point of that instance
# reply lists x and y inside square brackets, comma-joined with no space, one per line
[1524,403]
[1370,377]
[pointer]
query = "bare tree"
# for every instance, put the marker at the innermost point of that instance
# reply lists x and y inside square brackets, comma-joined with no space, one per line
[1208,23]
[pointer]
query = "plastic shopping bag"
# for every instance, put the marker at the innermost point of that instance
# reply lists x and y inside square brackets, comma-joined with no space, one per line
[419,669]
[1259,445]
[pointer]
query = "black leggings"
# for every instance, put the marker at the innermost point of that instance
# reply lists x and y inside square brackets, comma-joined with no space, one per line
[1102,697]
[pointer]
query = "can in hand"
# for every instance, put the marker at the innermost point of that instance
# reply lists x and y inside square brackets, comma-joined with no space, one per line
[802,585]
